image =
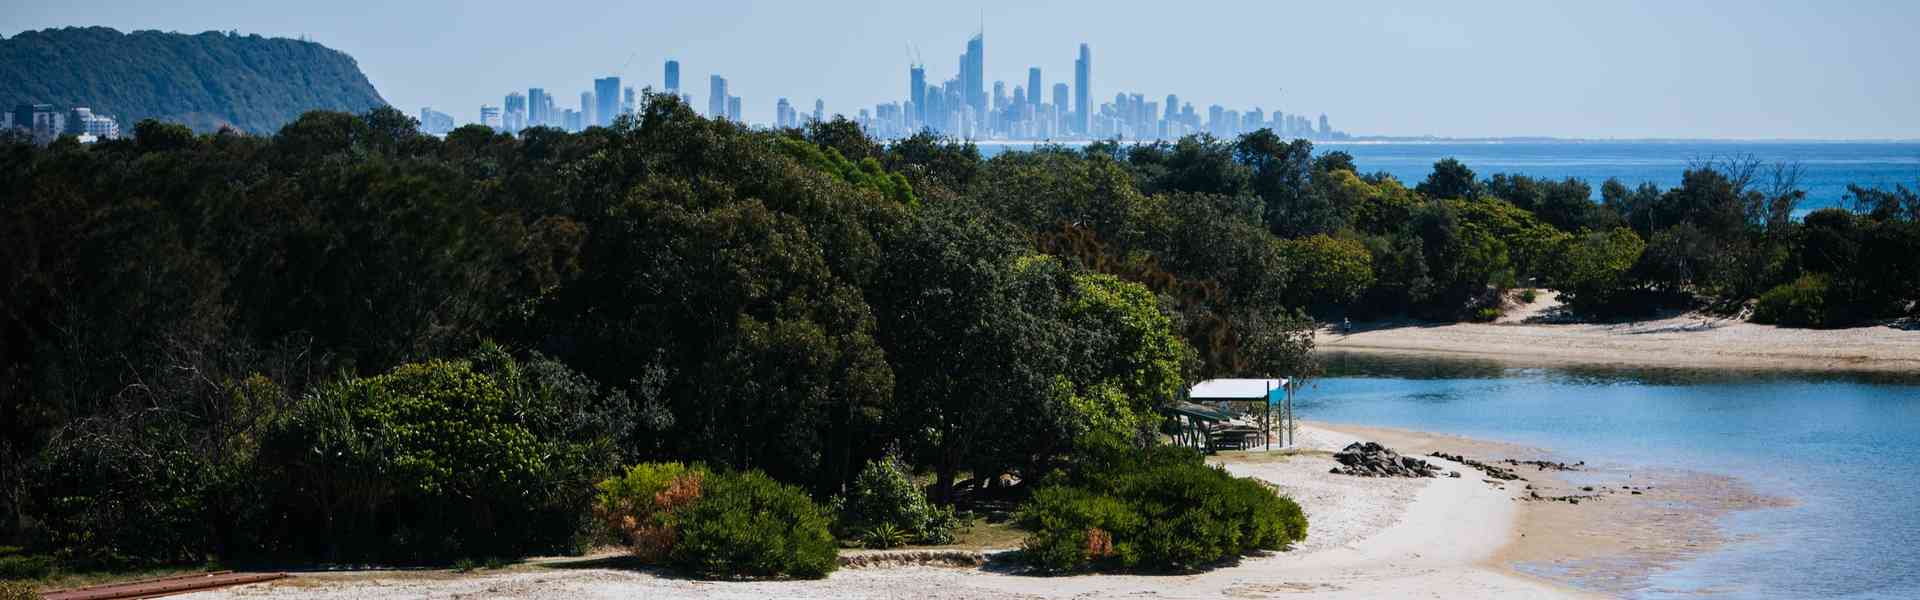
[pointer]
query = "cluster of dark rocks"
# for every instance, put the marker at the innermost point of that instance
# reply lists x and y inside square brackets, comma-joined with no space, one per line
[1494,471]
[1542,465]
[1369,459]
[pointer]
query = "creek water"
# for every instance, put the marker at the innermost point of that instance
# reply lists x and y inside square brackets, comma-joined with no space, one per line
[1845,448]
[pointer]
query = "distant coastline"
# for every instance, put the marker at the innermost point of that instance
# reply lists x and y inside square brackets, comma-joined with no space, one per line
[1390,139]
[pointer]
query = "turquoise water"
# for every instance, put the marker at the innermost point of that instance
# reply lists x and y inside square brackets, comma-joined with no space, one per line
[1828,166]
[1845,447]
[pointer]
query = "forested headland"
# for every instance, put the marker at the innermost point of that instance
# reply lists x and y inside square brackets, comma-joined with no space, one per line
[205,81]
[349,341]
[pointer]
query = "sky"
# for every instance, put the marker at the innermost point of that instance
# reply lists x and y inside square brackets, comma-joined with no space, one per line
[1746,69]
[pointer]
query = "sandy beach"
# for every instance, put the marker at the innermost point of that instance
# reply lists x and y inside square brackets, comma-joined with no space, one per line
[1465,537]
[1685,341]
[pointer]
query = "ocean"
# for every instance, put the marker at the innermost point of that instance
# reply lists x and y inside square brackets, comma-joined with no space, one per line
[1844,448]
[1827,166]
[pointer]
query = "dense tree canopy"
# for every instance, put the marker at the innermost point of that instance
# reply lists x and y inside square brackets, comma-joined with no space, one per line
[184,318]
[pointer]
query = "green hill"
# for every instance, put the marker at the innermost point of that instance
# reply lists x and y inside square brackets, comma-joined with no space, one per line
[205,81]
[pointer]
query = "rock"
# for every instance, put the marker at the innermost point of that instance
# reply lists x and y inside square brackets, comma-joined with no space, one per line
[1369,459]
[1491,470]
[1453,474]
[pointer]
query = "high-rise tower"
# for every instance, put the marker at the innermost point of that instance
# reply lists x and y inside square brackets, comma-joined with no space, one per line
[1033,86]
[539,108]
[606,94]
[717,97]
[973,74]
[1082,84]
[917,93]
[673,77]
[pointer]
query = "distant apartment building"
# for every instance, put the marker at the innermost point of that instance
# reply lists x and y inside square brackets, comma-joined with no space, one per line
[716,97]
[490,116]
[89,127]
[733,109]
[539,108]
[606,94]
[783,115]
[673,77]
[515,117]
[435,122]
[44,123]
[586,112]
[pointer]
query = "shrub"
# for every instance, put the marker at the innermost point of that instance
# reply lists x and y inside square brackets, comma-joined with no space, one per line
[1170,513]
[941,526]
[1072,528]
[1486,314]
[29,566]
[1527,296]
[883,494]
[1801,303]
[747,524]
[640,505]
[18,590]
[883,536]
[110,495]
[431,462]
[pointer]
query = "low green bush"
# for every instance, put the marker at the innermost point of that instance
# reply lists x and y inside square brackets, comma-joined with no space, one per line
[437,461]
[641,504]
[1486,315]
[1527,296]
[26,566]
[883,536]
[884,495]
[112,495]
[1800,303]
[1171,512]
[748,525]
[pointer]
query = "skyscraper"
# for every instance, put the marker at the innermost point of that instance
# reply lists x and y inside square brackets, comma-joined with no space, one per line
[1082,86]
[490,116]
[539,108]
[606,93]
[1033,86]
[973,73]
[819,110]
[717,98]
[917,92]
[515,118]
[733,108]
[783,116]
[586,110]
[628,102]
[673,77]
[1060,108]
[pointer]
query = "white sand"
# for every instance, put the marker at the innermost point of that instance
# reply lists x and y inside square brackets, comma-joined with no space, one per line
[1368,538]
[1690,340]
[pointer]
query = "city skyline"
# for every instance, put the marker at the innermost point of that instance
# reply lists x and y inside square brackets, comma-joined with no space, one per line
[1568,69]
[960,108]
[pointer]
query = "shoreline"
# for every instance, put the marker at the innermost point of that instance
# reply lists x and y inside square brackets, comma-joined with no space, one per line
[1465,537]
[1635,523]
[1686,341]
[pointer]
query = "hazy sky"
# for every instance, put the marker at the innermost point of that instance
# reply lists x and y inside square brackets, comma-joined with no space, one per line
[1730,69]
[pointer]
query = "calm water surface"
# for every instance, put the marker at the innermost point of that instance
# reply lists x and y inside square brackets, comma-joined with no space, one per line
[1845,447]
[1828,166]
